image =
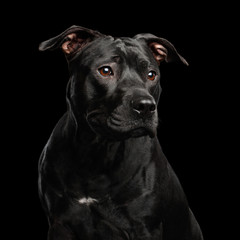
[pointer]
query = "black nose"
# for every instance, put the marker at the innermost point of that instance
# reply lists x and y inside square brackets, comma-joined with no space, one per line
[144,106]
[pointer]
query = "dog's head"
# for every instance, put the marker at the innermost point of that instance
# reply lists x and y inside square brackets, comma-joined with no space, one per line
[114,82]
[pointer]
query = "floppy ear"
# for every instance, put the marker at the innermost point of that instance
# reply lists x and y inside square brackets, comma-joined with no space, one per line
[72,40]
[161,48]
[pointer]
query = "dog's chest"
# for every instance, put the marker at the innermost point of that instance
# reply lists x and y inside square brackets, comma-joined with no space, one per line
[111,170]
[87,200]
[135,195]
[110,217]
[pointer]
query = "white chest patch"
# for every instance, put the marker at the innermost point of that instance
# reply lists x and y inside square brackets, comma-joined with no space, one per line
[87,201]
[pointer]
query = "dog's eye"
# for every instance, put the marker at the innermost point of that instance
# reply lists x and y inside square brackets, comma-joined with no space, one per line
[105,71]
[152,75]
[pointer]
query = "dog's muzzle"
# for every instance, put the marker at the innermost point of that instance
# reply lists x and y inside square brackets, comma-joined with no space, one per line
[135,119]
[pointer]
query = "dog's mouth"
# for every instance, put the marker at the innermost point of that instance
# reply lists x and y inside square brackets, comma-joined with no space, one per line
[142,131]
[116,127]
[132,128]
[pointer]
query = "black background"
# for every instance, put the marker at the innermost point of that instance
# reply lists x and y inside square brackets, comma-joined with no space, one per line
[190,132]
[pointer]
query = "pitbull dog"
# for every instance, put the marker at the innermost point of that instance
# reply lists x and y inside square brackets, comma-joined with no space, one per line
[102,173]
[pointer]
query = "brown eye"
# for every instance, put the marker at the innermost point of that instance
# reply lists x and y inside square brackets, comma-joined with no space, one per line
[152,75]
[105,71]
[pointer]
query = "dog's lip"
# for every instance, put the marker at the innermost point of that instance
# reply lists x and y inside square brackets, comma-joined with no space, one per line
[133,128]
[115,120]
[142,131]
[115,124]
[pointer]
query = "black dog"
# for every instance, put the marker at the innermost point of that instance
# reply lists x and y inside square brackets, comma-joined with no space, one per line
[102,174]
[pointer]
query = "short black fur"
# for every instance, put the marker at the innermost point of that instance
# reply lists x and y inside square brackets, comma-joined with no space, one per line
[102,173]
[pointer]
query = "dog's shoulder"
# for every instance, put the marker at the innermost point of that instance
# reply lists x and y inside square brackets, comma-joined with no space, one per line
[55,144]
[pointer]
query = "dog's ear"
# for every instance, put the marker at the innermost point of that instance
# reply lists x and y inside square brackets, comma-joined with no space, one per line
[161,48]
[72,40]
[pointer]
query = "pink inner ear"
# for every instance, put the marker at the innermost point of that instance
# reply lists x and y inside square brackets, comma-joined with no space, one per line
[159,51]
[69,45]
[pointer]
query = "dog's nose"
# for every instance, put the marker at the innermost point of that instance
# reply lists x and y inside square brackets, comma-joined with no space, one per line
[144,106]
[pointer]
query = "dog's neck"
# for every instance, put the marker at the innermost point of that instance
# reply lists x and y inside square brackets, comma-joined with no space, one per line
[98,162]
[109,152]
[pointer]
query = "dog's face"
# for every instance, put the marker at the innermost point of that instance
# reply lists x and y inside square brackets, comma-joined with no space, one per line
[116,85]
[114,82]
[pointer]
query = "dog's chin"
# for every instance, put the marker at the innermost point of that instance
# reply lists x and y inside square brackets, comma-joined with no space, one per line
[134,129]
[110,131]
[116,129]
[141,131]
[115,134]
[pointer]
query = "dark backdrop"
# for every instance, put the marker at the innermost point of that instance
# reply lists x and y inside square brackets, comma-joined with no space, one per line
[189,130]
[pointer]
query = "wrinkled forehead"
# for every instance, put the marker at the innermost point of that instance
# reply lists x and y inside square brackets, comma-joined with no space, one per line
[112,49]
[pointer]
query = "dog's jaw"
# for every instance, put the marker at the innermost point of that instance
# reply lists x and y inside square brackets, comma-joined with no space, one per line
[110,128]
